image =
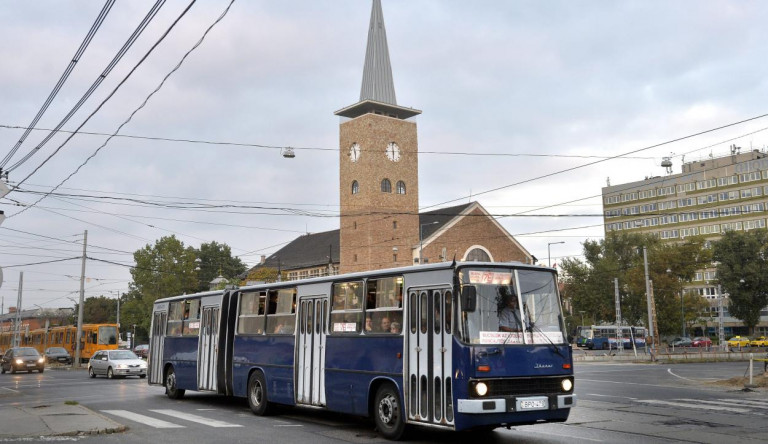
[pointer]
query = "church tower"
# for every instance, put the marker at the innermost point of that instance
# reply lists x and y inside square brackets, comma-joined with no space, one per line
[378,167]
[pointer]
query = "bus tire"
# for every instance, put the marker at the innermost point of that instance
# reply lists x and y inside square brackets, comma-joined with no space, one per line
[171,389]
[388,412]
[257,395]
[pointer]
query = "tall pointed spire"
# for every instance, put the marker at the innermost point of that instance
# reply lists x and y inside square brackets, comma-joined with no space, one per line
[377,71]
[377,94]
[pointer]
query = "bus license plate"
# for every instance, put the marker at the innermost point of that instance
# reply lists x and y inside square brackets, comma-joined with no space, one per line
[533,404]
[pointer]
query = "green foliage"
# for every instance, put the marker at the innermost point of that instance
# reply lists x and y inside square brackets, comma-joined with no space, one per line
[99,310]
[263,274]
[214,259]
[590,284]
[742,271]
[166,269]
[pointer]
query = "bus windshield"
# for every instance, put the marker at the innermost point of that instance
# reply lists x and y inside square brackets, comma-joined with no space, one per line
[513,306]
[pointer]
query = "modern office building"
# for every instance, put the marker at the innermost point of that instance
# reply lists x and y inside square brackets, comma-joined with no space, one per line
[708,198]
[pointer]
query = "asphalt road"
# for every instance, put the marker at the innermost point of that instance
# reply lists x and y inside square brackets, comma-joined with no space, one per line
[618,403]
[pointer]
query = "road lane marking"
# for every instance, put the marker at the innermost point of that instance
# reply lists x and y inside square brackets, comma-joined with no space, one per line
[693,406]
[148,420]
[609,396]
[751,402]
[736,402]
[195,418]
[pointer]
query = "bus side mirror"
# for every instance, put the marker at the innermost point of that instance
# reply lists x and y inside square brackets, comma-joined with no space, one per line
[468,298]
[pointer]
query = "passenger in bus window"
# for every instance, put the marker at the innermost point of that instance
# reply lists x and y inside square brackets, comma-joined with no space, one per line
[509,318]
[368,323]
[385,324]
[395,328]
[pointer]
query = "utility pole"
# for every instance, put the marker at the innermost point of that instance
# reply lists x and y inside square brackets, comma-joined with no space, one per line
[720,329]
[619,335]
[648,295]
[79,335]
[17,331]
[118,311]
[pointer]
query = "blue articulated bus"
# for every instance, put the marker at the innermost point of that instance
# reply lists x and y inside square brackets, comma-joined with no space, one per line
[425,345]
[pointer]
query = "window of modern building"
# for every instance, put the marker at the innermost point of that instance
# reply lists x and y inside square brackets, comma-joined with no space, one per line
[400,189]
[355,187]
[386,186]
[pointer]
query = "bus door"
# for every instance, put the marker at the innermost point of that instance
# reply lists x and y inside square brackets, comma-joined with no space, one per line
[209,338]
[310,351]
[155,357]
[429,390]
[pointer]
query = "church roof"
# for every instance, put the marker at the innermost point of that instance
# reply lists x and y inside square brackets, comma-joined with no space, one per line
[306,251]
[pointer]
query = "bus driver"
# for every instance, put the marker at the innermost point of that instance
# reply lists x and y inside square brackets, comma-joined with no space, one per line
[509,316]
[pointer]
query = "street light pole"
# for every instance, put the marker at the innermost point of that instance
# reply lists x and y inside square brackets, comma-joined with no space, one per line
[549,262]
[582,316]
[79,333]
[421,239]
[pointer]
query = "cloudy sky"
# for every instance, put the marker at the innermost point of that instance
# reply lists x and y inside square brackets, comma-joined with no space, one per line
[524,103]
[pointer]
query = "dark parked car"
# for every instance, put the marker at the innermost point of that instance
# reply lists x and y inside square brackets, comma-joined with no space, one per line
[58,354]
[22,358]
[681,342]
[141,350]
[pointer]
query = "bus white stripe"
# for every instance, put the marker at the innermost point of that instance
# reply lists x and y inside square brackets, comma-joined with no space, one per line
[195,418]
[148,420]
[694,406]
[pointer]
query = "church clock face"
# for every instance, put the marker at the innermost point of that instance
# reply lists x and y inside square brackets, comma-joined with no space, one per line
[393,152]
[354,152]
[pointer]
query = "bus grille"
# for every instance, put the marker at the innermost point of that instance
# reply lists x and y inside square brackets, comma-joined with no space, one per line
[521,386]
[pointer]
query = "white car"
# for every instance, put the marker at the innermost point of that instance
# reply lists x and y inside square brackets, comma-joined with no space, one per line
[116,364]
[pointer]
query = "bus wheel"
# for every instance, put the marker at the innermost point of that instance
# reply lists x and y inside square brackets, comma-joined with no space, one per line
[388,413]
[170,385]
[257,394]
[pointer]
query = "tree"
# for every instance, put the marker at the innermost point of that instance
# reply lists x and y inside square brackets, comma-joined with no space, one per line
[590,283]
[99,310]
[165,269]
[263,274]
[742,270]
[216,259]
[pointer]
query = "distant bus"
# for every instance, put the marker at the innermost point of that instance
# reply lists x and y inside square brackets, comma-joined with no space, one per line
[583,335]
[604,337]
[419,345]
[95,337]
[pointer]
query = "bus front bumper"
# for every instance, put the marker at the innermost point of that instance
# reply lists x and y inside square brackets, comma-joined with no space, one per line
[516,404]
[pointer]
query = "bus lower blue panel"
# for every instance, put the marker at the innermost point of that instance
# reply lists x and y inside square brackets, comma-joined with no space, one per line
[353,363]
[181,352]
[271,354]
[464,421]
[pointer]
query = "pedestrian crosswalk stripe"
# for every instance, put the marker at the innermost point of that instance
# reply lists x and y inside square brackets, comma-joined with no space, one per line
[750,402]
[694,406]
[147,420]
[195,418]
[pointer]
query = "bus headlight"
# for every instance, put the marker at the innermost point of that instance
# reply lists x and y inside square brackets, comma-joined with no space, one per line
[481,389]
[567,385]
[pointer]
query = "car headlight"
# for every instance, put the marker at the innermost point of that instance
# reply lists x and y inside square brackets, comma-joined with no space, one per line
[19,361]
[566,384]
[122,366]
[481,389]
[41,360]
[142,365]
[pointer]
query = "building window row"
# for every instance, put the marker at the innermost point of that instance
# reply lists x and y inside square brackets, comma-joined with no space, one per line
[724,196]
[687,187]
[692,231]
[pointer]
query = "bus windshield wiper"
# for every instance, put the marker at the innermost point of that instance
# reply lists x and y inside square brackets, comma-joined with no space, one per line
[532,326]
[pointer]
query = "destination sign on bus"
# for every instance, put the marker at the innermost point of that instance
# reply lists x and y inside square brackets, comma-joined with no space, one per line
[502,337]
[490,277]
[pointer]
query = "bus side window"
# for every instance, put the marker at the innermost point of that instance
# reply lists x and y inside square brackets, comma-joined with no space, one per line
[385,310]
[281,318]
[252,313]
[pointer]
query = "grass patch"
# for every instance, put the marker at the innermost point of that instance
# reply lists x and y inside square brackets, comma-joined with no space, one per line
[71,402]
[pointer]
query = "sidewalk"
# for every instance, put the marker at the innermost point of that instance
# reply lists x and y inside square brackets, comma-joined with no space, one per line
[54,420]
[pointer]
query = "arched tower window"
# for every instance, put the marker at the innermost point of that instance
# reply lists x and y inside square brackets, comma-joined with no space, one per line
[386,186]
[355,187]
[400,189]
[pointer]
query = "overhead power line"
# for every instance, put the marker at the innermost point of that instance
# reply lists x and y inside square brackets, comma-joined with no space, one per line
[64,76]
[126,46]
[146,100]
